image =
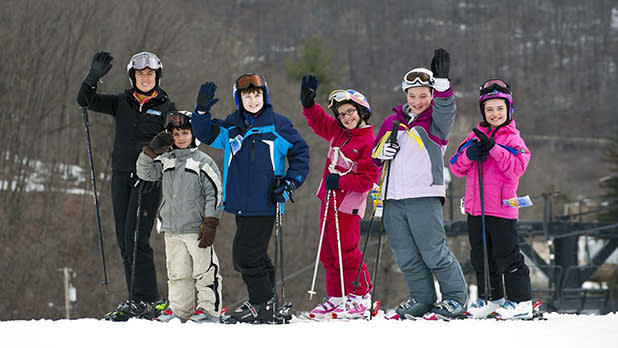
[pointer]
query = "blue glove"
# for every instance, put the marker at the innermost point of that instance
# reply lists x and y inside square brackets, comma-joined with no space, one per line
[477,152]
[206,97]
[332,181]
[283,192]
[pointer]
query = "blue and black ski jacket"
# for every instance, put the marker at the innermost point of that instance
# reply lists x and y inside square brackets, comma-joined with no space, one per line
[254,155]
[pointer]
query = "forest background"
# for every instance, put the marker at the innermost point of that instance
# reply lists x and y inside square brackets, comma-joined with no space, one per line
[559,56]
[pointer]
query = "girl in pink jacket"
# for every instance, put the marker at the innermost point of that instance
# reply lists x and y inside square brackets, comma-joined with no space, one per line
[349,174]
[495,156]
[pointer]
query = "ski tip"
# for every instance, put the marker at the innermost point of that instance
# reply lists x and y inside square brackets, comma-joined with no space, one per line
[537,304]
[376,308]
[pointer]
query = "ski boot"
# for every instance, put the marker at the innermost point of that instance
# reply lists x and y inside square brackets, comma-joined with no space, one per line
[202,316]
[264,313]
[167,315]
[514,310]
[446,309]
[131,309]
[326,308]
[356,307]
[412,310]
[483,308]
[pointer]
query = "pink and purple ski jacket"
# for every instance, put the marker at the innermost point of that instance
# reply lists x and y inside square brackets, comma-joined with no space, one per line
[506,163]
[418,168]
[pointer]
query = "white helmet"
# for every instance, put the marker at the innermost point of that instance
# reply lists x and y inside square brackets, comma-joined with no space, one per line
[144,60]
[419,77]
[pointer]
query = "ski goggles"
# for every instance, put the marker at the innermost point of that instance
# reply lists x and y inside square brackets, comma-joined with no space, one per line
[178,119]
[145,60]
[341,95]
[417,78]
[495,84]
[249,80]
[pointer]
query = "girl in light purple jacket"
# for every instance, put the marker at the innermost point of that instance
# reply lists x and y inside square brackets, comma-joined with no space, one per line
[492,158]
[414,191]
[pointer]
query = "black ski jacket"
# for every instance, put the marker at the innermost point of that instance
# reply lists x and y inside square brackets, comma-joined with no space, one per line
[135,125]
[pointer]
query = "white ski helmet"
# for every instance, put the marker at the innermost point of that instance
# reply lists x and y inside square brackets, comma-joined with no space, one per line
[144,60]
[419,77]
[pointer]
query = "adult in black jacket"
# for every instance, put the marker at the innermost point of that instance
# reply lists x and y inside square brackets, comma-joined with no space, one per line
[139,114]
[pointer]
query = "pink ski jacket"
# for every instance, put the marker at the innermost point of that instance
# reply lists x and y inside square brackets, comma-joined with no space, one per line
[506,163]
[353,158]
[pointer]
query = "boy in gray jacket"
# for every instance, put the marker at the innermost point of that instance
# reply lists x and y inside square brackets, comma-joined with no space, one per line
[189,215]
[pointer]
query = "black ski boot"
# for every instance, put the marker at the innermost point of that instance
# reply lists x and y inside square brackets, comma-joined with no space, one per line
[264,313]
[131,309]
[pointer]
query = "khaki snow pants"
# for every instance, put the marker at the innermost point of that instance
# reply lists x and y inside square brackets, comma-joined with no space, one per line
[192,271]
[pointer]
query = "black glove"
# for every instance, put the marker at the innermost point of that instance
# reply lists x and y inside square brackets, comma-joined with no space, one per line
[332,181]
[440,63]
[308,88]
[206,97]
[101,63]
[159,144]
[283,192]
[488,142]
[477,152]
[208,231]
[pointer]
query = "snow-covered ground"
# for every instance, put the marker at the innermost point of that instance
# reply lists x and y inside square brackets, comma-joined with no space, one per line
[560,330]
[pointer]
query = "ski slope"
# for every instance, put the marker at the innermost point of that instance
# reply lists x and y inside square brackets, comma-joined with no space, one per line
[559,330]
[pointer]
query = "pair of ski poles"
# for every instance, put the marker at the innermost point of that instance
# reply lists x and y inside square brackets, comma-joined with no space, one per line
[383,181]
[486,283]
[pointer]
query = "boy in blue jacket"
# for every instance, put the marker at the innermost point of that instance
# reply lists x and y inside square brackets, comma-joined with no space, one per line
[256,142]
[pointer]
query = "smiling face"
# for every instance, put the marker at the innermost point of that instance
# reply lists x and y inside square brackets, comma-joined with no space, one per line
[495,112]
[145,79]
[419,99]
[183,137]
[347,114]
[252,100]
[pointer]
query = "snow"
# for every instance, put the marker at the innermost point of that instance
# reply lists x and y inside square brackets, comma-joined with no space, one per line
[559,330]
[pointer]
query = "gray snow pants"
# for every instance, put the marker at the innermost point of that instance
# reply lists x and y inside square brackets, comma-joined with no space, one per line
[416,234]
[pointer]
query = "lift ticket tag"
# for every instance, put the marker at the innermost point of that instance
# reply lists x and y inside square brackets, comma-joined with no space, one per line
[518,202]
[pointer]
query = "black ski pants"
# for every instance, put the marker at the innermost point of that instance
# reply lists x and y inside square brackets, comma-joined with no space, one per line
[250,254]
[505,259]
[125,190]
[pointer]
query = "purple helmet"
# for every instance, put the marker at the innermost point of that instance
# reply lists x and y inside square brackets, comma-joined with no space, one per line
[496,88]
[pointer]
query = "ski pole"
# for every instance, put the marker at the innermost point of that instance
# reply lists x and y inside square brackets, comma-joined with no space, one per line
[280,237]
[338,242]
[317,257]
[486,284]
[84,110]
[136,234]
[392,139]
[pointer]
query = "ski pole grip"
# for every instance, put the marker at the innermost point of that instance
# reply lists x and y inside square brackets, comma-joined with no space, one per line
[393,138]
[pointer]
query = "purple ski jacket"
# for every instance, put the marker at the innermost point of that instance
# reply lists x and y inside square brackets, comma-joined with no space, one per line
[506,163]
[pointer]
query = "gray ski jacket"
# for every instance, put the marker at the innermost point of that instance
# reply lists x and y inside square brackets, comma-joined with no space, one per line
[191,184]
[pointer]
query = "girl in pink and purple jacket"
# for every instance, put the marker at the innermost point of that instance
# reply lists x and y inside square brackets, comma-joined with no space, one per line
[349,174]
[495,156]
